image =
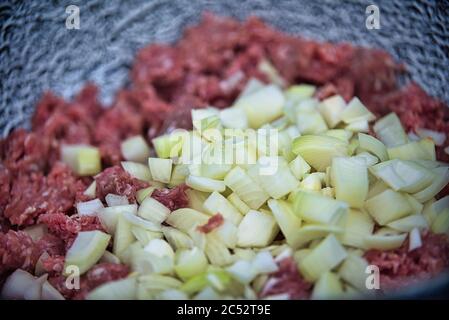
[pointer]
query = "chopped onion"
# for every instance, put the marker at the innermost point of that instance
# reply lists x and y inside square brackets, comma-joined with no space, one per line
[328,286]
[86,250]
[123,289]
[414,239]
[135,149]
[388,206]
[356,111]
[116,200]
[263,262]
[91,190]
[17,284]
[438,137]
[205,184]
[384,242]
[257,229]
[160,169]
[83,159]
[89,208]
[390,131]
[152,210]
[331,109]
[190,262]
[243,271]
[137,170]
[353,271]
[324,257]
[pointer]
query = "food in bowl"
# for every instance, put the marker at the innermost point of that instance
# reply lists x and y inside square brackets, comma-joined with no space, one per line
[240,163]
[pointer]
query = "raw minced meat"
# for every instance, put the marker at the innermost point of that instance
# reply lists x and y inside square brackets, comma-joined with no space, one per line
[287,280]
[214,222]
[117,181]
[174,198]
[401,266]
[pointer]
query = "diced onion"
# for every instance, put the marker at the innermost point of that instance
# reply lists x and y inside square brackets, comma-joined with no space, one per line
[135,149]
[190,262]
[205,184]
[356,111]
[388,206]
[331,108]
[152,210]
[257,229]
[438,137]
[414,239]
[89,208]
[116,200]
[137,170]
[91,190]
[83,159]
[160,169]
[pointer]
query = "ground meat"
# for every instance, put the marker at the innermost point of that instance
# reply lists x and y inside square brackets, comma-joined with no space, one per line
[53,265]
[66,227]
[115,180]
[174,198]
[214,222]
[17,251]
[399,266]
[96,276]
[35,194]
[287,280]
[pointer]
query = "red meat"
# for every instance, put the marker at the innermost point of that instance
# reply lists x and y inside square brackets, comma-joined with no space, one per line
[174,198]
[214,222]
[115,180]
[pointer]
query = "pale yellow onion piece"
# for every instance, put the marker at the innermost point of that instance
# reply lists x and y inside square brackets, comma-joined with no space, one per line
[235,200]
[16,285]
[123,289]
[386,231]
[415,150]
[350,181]
[144,236]
[311,182]
[353,271]
[250,193]
[324,257]
[84,160]
[179,174]
[123,236]
[376,188]
[415,204]
[328,192]
[137,170]
[140,222]
[318,151]
[142,194]
[342,134]
[389,130]
[328,286]
[113,200]
[366,158]
[441,222]
[388,206]
[216,251]
[50,293]
[128,254]
[359,126]
[172,294]
[190,262]
[441,180]
[109,257]
[432,208]
[356,111]
[205,184]
[357,225]
[177,239]
[310,122]
[262,106]
[316,208]
[109,216]
[408,223]
[185,219]
[135,149]
[216,203]
[169,145]
[438,137]
[91,190]
[403,175]
[387,242]
[144,263]
[157,282]
[331,108]
[196,199]
[311,232]
[160,169]
[415,241]
[234,118]
[373,145]
[152,210]
[299,167]
[271,73]
[243,271]
[256,229]
[288,222]
[274,176]
[227,233]
[86,250]
[300,91]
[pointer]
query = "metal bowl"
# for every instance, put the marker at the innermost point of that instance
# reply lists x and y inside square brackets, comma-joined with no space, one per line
[38,52]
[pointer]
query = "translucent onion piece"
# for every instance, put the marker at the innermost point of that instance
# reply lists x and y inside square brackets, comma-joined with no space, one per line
[356,111]
[300,92]
[190,262]
[160,169]
[388,206]
[234,118]
[123,289]
[438,137]
[331,108]
[216,251]
[216,203]
[353,271]
[135,149]
[441,180]
[288,222]
[257,229]
[373,145]
[441,222]
[109,216]
[389,130]
[83,159]
[407,224]
[86,250]
[328,286]
[205,184]
[137,170]
[152,210]
[91,190]
[416,150]
[414,239]
[186,219]
[387,242]
[116,200]
[89,208]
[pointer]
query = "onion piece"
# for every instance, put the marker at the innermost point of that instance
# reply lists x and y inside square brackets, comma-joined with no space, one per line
[17,284]
[263,262]
[256,229]
[414,239]
[116,200]
[137,170]
[91,190]
[438,137]
[135,149]
[160,169]
[85,160]
[89,208]
[190,262]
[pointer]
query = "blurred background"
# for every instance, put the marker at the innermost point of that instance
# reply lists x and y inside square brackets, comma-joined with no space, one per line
[38,52]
